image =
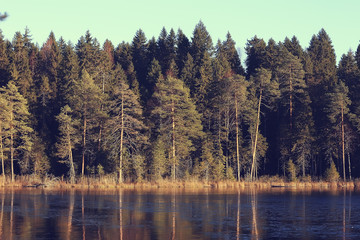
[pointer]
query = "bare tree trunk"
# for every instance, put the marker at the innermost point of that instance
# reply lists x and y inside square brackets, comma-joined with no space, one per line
[12,146]
[173,140]
[84,148]
[256,137]
[291,99]
[343,140]
[121,138]
[349,163]
[2,153]
[237,139]
[71,160]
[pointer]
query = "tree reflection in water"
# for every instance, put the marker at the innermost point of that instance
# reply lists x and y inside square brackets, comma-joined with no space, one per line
[178,214]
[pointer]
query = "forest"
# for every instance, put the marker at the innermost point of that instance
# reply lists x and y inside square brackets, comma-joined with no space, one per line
[176,108]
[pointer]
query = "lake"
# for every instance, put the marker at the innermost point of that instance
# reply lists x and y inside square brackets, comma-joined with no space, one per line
[179,214]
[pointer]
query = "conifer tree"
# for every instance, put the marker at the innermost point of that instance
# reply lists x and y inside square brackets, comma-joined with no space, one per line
[86,104]
[338,112]
[182,50]
[68,138]
[179,123]
[126,131]
[88,52]
[20,69]
[297,123]
[255,51]
[4,120]
[263,91]
[18,127]
[4,62]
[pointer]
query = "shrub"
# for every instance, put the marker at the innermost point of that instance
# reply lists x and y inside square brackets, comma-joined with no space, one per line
[292,170]
[331,174]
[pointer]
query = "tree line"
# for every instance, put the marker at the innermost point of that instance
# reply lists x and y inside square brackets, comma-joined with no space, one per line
[177,107]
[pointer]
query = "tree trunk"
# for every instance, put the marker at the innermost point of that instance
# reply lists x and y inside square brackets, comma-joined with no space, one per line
[343,140]
[237,139]
[84,148]
[12,146]
[72,169]
[2,152]
[173,140]
[291,99]
[121,138]
[256,137]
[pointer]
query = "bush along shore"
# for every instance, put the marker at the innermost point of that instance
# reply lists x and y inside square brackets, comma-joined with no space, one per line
[110,182]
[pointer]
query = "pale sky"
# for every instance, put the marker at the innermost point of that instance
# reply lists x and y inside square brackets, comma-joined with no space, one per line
[118,20]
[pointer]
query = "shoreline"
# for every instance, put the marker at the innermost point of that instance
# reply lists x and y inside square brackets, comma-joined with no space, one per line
[109,183]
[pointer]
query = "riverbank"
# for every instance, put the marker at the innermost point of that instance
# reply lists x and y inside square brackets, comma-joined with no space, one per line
[109,182]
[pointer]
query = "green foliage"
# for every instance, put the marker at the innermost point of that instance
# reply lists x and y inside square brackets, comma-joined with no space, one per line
[291,170]
[179,122]
[331,174]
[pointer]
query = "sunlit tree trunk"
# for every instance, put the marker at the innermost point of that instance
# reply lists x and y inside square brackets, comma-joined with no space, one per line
[12,145]
[237,139]
[256,136]
[84,148]
[173,140]
[2,152]
[343,140]
[121,138]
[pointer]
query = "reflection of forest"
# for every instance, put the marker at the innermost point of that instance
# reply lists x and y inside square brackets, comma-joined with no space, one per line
[129,214]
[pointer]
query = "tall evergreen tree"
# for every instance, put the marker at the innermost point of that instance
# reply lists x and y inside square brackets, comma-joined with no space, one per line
[86,104]
[18,124]
[263,92]
[126,128]
[178,121]
[338,112]
[255,51]
[68,138]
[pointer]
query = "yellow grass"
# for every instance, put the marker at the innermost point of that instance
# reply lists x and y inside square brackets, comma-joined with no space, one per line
[110,182]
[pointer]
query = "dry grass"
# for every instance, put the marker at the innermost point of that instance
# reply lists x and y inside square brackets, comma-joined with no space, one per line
[110,181]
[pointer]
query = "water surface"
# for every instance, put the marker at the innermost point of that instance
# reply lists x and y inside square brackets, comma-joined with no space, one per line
[179,214]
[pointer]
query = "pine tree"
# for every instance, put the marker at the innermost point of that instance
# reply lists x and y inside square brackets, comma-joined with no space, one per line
[4,121]
[126,128]
[18,129]
[263,91]
[68,138]
[86,104]
[178,121]
[337,112]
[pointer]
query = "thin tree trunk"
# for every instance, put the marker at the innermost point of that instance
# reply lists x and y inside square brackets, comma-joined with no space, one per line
[291,99]
[237,139]
[256,137]
[84,148]
[2,153]
[72,169]
[12,146]
[349,163]
[173,140]
[343,140]
[121,138]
